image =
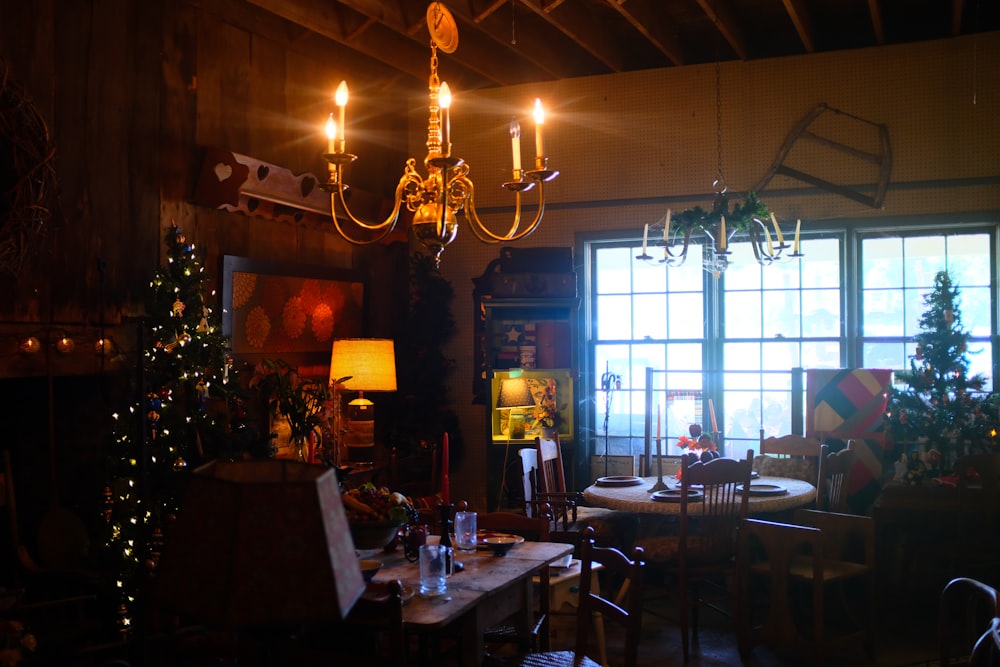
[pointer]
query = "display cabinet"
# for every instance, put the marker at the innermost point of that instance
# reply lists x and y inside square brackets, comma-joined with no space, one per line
[526,310]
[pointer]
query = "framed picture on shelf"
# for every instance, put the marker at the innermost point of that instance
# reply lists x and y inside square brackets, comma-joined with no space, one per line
[276,310]
[552,392]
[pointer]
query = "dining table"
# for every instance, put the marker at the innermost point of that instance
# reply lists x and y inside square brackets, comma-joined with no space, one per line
[768,495]
[487,590]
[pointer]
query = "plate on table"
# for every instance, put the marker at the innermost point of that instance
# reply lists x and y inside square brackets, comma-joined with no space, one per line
[674,495]
[619,480]
[763,489]
[754,474]
[483,534]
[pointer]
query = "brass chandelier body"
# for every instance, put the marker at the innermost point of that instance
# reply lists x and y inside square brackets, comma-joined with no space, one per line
[437,199]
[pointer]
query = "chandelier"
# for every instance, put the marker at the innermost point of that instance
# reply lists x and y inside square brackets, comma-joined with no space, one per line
[750,217]
[437,199]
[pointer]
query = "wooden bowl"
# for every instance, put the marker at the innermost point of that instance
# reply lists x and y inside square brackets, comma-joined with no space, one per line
[373,534]
[500,545]
[369,566]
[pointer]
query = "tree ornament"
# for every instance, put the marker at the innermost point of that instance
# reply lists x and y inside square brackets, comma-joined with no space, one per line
[179,464]
[919,354]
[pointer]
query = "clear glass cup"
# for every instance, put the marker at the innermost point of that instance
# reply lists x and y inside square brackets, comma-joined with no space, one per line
[465,531]
[434,560]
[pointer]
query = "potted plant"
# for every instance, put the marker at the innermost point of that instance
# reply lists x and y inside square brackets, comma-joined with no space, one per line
[299,401]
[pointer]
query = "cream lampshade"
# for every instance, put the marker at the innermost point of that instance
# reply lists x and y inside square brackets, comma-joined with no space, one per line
[370,365]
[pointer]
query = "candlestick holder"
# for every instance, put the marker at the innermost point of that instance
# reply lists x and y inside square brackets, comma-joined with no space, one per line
[660,484]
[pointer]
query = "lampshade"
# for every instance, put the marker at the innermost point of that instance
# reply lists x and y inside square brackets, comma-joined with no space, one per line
[260,544]
[514,393]
[369,362]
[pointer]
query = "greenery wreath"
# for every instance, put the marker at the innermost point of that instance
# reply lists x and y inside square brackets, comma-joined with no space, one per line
[27,175]
[739,219]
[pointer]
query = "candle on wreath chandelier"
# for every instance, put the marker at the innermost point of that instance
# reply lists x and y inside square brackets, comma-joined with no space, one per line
[722,233]
[795,245]
[666,228]
[777,230]
[645,234]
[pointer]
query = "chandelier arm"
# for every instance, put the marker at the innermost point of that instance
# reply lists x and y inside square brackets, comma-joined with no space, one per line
[485,235]
[678,259]
[337,195]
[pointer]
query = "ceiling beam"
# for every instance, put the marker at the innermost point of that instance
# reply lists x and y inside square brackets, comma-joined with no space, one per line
[726,26]
[875,11]
[802,20]
[647,24]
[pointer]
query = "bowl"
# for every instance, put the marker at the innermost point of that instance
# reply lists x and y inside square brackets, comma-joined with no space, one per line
[373,534]
[500,545]
[369,566]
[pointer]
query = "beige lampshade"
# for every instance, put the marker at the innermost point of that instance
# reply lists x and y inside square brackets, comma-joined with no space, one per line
[514,393]
[369,362]
[260,544]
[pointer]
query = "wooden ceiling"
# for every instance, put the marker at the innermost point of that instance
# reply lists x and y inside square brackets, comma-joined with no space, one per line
[507,42]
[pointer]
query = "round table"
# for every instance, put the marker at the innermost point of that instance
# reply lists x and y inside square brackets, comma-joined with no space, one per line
[636,498]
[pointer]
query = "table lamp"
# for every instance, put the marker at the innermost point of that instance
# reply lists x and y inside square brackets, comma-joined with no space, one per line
[513,394]
[260,545]
[370,364]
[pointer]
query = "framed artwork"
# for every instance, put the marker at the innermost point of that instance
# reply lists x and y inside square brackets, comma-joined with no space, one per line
[551,390]
[290,311]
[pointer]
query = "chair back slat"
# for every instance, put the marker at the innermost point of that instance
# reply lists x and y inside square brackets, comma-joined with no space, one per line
[622,606]
[834,472]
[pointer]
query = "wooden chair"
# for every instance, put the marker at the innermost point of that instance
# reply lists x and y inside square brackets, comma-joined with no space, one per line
[973,606]
[834,472]
[624,608]
[703,551]
[790,455]
[537,529]
[819,551]
[570,515]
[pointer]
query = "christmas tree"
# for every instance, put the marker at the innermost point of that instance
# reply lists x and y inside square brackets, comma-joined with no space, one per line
[183,411]
[937,399]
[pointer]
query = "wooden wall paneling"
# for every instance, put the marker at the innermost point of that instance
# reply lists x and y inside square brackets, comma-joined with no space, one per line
[180,156]
[266,110]
[142,231]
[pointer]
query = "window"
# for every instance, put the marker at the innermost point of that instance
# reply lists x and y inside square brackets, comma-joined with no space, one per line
[736,338]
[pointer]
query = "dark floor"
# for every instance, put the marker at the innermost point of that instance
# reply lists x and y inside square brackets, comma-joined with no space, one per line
[907,635]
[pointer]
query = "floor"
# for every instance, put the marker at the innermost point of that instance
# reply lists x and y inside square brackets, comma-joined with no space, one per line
[907,636]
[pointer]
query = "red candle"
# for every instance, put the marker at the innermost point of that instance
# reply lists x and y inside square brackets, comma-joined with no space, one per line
[445,482]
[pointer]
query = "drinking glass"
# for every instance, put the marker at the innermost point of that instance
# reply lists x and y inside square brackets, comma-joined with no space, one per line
[465,531]
[433,569]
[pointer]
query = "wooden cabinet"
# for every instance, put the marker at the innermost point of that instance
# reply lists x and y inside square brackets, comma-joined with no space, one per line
[538,336]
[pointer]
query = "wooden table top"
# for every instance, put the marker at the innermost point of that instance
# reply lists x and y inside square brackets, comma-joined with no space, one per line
[637,498]
[484,576]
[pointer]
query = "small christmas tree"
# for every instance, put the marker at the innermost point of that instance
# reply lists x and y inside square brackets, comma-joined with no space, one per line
[937,399]
[185,413]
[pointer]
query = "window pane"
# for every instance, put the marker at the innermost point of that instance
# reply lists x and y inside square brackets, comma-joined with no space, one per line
[783,314]
[784,275]
[884,355]
[821,355]
[650,277]
[687,315]
[882,312]
[821,313]
[882,263]
[613,270]
[780,355]
[650,316]
[744,314]
[925,256]
[969,260]
[742,356]
[614,317]
[684,357]
[974,307]
[821,265]
[744,271]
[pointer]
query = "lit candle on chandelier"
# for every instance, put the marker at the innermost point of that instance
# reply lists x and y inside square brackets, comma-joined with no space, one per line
[340,99]
[331,140]
[444,101]
[515,143]
[539,123]
[722,233]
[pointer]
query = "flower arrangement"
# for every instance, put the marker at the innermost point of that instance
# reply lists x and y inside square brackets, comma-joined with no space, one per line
[546,413]
[14,639]
[301,401]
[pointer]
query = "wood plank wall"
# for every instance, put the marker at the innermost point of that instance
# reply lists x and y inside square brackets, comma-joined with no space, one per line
[133,93]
